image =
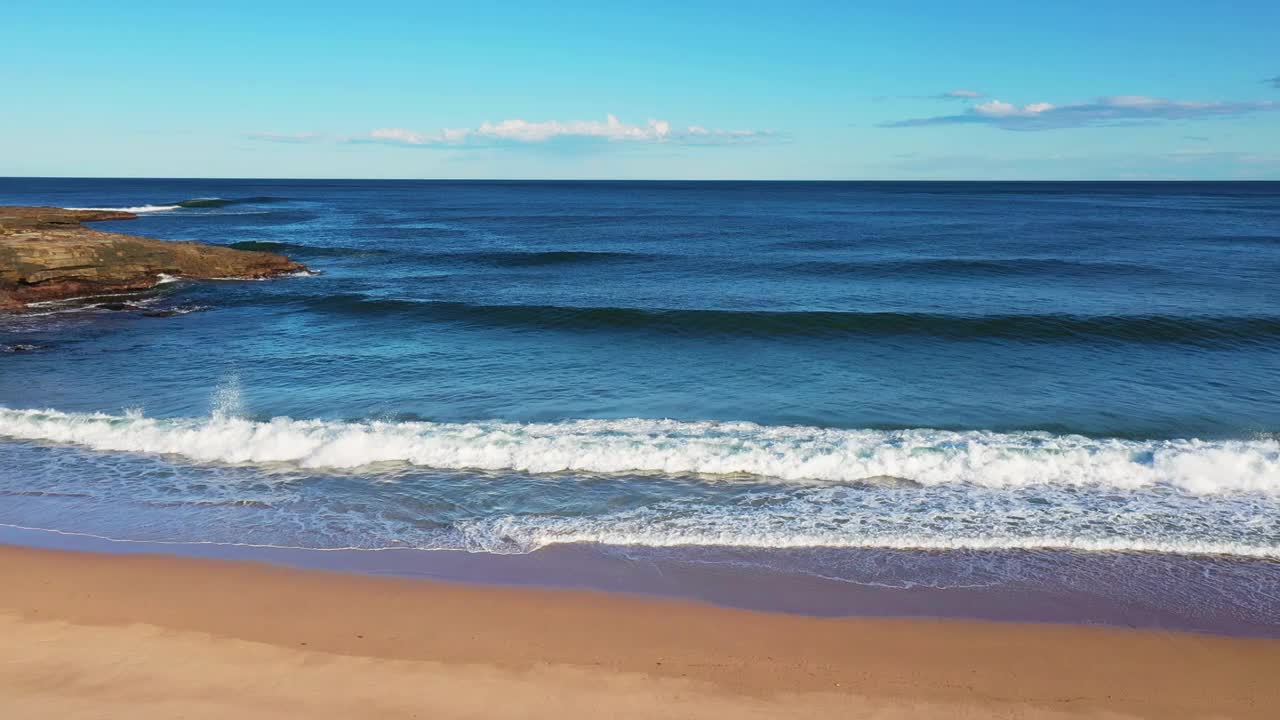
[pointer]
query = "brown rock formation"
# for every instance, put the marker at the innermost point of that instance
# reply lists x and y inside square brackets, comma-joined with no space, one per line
[46,254]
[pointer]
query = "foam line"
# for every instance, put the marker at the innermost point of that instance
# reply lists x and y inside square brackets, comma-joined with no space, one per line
[795,454]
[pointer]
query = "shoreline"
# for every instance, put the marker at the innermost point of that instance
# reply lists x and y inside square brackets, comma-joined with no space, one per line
[95,631]
[1205,595]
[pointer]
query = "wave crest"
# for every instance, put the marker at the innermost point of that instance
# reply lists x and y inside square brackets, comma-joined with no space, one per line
[540,258]
[791,454]
[1205,331]
[274,246]
[217,202]
[132,208]
[192,203]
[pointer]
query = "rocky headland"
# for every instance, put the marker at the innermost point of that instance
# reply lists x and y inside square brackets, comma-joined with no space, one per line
[47,254]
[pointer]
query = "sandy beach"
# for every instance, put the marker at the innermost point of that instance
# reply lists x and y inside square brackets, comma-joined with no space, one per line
[144,636]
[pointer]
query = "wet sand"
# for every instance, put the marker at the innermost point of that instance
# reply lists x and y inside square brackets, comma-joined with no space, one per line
[146,636]
[1220,596]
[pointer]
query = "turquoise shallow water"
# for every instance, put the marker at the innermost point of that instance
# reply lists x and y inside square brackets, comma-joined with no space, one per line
[765,367]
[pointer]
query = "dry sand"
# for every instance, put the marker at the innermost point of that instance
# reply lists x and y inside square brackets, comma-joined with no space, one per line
[150,637]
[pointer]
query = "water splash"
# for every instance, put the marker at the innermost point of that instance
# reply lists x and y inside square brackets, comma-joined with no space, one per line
[227,400]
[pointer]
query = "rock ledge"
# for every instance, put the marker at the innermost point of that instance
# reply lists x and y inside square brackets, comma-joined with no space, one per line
[46,254]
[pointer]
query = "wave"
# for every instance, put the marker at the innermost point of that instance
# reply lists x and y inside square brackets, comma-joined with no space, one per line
[216,202]
[536,258]
[174,311]
[1205,331]
[511,535]
[1264,240]
[190,204]
[512,259]
[133,208]
[273,246]
[508,536]
[968,268]
[668,447]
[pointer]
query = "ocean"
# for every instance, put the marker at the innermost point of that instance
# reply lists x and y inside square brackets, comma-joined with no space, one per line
[928,384]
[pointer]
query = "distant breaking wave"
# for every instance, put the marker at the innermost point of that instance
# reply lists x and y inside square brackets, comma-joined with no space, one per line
[784,453]
[503,258]
[192,203]
[132,209]
[1201,331]
[215,202]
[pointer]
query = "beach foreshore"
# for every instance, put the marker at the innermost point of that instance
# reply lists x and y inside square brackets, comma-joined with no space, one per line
[153,636]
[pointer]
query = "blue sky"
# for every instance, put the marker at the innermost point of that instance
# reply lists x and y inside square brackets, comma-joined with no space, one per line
[798,90]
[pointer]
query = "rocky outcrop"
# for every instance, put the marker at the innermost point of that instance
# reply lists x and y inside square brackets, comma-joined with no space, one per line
[46,254]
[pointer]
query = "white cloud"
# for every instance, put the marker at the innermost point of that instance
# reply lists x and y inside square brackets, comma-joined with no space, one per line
[1111,110]
[289,138]
[610,129]
[398,135]
[996,108]
[517,130]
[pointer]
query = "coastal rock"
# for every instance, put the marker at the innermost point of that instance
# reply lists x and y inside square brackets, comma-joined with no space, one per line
[46,254]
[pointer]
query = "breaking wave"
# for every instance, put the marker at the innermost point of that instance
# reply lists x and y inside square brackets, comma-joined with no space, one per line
[132,208]
[668,447]
[216,202]
[502,259]
[192,203]
[514,535]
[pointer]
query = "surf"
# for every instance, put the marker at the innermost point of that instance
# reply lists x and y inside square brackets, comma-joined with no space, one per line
[792,454]
[133,208]
[217,202]
[192,203]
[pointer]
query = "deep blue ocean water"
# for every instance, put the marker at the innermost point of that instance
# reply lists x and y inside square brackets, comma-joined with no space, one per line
[499,366]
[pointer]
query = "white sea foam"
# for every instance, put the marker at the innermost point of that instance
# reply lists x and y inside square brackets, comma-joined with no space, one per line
[529,539]
[294,274]
[133,209]
[796,454]
[76,301]
[515,535]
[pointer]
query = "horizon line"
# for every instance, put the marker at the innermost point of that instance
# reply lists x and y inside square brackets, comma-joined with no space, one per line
[642,180]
